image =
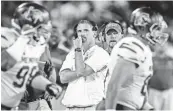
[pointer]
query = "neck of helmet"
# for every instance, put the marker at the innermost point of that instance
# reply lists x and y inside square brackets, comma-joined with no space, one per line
[142,38]
[141,34]
[17,31]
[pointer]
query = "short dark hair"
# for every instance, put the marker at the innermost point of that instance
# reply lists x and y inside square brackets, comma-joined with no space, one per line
[92,23]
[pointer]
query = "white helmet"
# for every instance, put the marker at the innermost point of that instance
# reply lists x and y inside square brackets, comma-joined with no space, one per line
[145,18]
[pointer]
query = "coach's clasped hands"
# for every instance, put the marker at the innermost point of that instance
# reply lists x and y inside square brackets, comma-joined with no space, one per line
[54,90]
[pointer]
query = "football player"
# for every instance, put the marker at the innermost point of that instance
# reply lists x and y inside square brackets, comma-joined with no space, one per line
[21,56]
[131,62]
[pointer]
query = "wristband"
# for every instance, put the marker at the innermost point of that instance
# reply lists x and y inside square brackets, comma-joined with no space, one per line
[78,50]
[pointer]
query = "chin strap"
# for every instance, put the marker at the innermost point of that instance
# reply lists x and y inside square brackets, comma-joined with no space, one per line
[148,37]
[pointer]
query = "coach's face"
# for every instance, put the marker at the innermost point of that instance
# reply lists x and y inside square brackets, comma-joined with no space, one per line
[84,30]
[112,37]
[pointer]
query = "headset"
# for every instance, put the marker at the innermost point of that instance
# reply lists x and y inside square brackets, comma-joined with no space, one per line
[92,23]
[104,27]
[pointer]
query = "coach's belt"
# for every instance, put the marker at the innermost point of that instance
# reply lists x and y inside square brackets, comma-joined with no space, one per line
[79,107]
[3,107]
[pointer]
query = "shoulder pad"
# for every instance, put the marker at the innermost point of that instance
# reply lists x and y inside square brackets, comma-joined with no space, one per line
[132,50]
[8,37]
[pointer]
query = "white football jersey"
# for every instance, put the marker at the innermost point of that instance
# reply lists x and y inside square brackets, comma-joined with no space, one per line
[14,81]
[133,50]
[8,37]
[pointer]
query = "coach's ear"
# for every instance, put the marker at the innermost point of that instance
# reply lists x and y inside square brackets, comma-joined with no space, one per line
[95,34]
[122,35]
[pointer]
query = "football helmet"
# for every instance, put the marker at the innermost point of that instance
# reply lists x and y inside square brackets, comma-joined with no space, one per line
[32,17]
[153,22]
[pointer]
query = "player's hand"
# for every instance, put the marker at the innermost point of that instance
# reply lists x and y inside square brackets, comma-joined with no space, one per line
[48,68]
[77,42]
[54,90]
[47,96]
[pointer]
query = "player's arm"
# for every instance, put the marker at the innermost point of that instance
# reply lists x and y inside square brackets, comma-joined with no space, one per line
[41,83]
[10,57]
[121,73]
[53,75]
[8,37]
[5,57]
[48,67]
[7,61]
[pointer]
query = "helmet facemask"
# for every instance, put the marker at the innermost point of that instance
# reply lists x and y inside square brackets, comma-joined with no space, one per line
[44,33]
[156,33]
[39,34]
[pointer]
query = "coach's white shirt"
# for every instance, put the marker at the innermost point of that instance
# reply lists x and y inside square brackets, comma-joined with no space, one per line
[87,91]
